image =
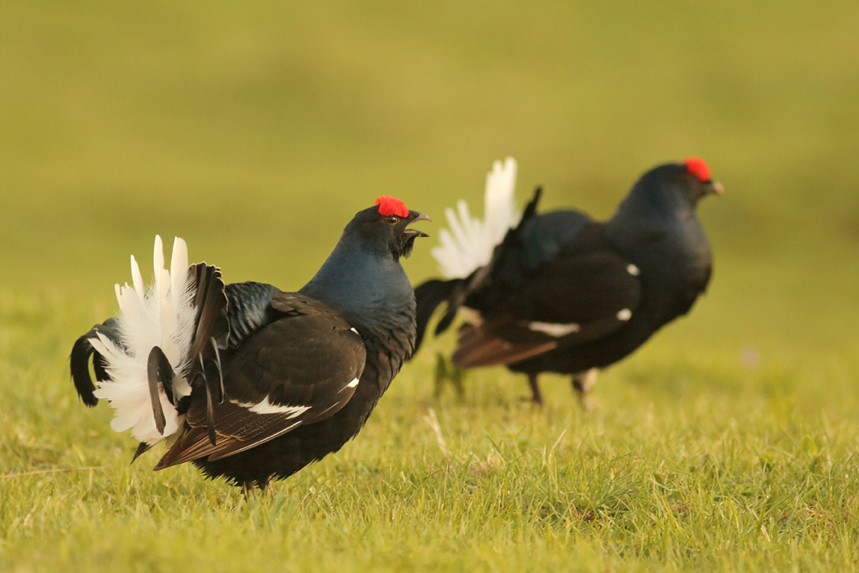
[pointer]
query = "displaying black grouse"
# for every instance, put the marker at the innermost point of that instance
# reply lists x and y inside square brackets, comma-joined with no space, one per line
[249,382]
[563,293]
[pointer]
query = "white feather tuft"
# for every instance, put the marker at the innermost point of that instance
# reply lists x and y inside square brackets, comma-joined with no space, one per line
[161,316]
[177,262]
[469,242]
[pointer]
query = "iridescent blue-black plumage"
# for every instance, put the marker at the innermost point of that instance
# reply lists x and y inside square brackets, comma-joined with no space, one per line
[287,378]
[563,293]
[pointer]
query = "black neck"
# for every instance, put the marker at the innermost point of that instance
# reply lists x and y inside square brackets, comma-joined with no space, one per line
[370,289]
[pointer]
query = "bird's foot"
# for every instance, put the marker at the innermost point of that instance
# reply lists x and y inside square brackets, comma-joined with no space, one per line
[250,488]
[446,371]
[536,396]
[582,384]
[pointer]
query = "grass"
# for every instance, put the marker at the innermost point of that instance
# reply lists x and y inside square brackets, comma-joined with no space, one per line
[689,461]
[256,130]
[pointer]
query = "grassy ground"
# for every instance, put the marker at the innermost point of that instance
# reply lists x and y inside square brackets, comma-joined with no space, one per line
[691,459]
[256,130]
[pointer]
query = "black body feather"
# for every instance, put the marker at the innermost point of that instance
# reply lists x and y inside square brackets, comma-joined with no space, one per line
[283,379]
[563,293]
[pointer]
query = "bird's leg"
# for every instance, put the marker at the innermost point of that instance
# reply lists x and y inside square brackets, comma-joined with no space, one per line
[456,380]
[445,371]
[582,384]
[440,373]
[250,488]
[536,397]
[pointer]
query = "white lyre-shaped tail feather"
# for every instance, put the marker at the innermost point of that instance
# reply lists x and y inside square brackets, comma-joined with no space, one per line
[469,242]
[162,315]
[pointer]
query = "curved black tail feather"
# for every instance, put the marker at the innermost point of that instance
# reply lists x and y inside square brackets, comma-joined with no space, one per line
[80,358]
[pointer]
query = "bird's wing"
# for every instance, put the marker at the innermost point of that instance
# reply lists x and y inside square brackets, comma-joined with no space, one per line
[300,368]
[249,309]
[588,291]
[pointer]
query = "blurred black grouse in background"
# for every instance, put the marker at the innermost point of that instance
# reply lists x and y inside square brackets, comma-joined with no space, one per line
[251,383]
[563,293]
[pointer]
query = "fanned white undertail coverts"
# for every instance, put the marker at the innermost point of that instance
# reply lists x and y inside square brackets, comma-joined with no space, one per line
[469,242]
[162,315]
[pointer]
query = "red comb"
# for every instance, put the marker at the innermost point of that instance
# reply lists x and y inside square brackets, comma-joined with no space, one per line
[698,167]
[391,206]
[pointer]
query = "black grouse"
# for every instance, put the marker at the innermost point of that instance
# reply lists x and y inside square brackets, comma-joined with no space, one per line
[251,383]
[563,293]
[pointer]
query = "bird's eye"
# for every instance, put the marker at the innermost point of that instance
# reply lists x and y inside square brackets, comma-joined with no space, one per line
[393,219]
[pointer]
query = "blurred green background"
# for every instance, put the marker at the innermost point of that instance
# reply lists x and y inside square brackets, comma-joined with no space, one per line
[256,129]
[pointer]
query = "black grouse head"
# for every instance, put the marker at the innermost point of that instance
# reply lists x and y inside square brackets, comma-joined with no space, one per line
[681,184]
[384,226]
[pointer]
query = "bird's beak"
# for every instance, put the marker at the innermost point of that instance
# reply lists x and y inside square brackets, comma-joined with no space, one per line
[715,187]
[418,216]
[414,217]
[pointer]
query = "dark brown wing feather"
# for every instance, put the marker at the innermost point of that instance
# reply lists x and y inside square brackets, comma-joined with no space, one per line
[212,328]
[479,346]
